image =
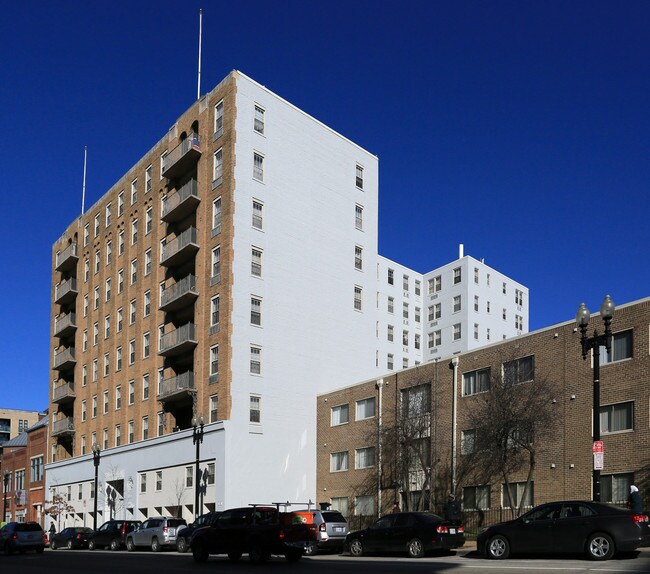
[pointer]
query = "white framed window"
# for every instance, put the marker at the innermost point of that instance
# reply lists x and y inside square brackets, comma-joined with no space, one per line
[437,338]
[131,432]
[96,224]
[132,308]
[108,213]
[364,457]
[107,326]
[134,271]
[86,234]
[390,333]
[255,415]
[358,217]
[217,168]
[519,297]
[405,310]
[143,482]
[95,334]
[256,360]
[405,338]
[84,375]
[94,409]
[147,262]
[96,298]
[476,331]
[120,243]
[160,423]
[159,480]
[258,166]
[467,441]
[340,503]
[258,122]
[339,461]
[105,411]
[516,497]
[120,203]
[134,191]
[216,264]
[120,319]
[519,370]
[216,216]
[256,311]
[365,408]
[457,275]
[258,214]
[146,343]
[147,179]
[146,310]
[458,332]
[85,306]
[109,252]
[418,287]
[435,284]
[134,232]
[391,276]
[98,257]
[95,370]
[340,415]
[189,476]
[118,398]
[615,488]
[617,417]
[359,177]
[145,386]
[214,311]
[131,351]
[358,298]
[131,392]
[621,348]
[417,315]
[218,120]
[416,341]
[390,361]
[214,360]
[86,270]
[358,257]
[163,159]
[148,220]
[145,428]
[83,410]
[214,410]
[107,290]
[118,359]
[476,497]
[256,261]
[456,303]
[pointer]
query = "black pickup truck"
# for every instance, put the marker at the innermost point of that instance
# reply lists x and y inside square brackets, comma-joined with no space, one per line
[259,531]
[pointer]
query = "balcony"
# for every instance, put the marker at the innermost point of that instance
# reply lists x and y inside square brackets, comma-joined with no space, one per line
[68,258]
[181,294]
[177,388]
[179,341]
[180,249]
[63,394]
[182,157]
[65,325]
[181,203]
[64,427]
[66,291]
[64,360]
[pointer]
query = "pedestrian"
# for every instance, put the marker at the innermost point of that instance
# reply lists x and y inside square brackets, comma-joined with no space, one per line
[452,509]
[396,507]
[634,502]
[52,530]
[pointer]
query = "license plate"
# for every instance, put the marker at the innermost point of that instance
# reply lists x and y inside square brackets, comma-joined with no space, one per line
[452,531]
[172,531]
[338,529]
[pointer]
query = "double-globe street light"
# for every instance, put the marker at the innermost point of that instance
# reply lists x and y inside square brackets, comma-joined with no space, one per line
[594,343]
[197,439]
[96,456]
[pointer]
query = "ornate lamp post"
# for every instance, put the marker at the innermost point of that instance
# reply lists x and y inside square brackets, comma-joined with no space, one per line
[6,478]
[594,343]
[96,456]
[197,439]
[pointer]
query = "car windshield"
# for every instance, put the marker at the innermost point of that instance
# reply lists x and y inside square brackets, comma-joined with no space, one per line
[429,518]
[333,517]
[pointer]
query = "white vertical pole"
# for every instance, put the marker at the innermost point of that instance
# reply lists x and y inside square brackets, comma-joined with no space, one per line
[83,189]
[198,88]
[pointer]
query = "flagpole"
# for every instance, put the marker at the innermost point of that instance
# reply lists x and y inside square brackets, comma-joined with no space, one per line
[83,189]
[198,88]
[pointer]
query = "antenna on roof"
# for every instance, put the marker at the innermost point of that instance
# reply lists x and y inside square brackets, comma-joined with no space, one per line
[198,87]
[83,189]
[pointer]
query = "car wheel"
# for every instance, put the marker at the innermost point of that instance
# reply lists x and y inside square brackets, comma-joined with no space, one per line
[310,549]
[257,555]
[115,544]
[293,554]
[234,556]
[415,548]
[498,547]
[69,545]
[181,545]
[155,545]
[356,547]
[600,546]
[53,545]
[92,545]
[130,545]
[200,551]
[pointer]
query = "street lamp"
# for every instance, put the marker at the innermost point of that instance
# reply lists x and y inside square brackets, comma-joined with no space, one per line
[594,343]
[6,478]
[197,439]
[96,456]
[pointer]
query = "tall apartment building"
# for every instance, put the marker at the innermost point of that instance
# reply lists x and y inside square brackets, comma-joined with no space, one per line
[13,422]
[232,273]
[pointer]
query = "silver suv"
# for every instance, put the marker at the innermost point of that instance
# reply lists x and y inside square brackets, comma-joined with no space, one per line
[156,532]
[331,527]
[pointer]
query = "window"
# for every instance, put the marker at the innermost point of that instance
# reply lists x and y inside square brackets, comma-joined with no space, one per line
[143,482]
[359,178]
[134,232]
[214,413]
[456,303]
[339,461]
[457,275]
[364,505]
[159,480]
[145,387]
[214,360]
[189,476]
[96,298]
[621,348]
[416,342]
[476,382]
[105,410]
[83,411]
[131,392]
[504,288]
[256,360]
[256,311]
[131,351]
[20,479]
[145,428]
[516,495]
[405,282]
[214,312]
[435,284]
[36,469]
[95,333]
[391,277]
[476,275]
[357,298]
[86,234]
[617,418]
[218,120]
[405,338]
[467,441]
[120,319]
[106,365]
[257,214]
[519,370]
[364,457]
[94,407]
[211,473]
[131,432]
[120,243]
[365,409]
[147,304]
[216,264]
[146,340]
[96,225]
[391,305]
[217,168]
[258,123]
[147,262]
[389,333]
[405,310]
[134,191]
[476,331]
[418,287]
[358,257]
[132,308]
[107,326]
[161,423]
[519,322]
[95,370]
[147,180]
[86,270]
[615,487]
[340,415]
[118,359]
[134,271]
[390,361]
[519,297]
[98,257]
[255,409]
[256,261]
[258,166]
[457,332]
[216,216]
[358,217]
[120,203]
[109,252]
[504,314]
[416,401]
[84,375]
[476,497]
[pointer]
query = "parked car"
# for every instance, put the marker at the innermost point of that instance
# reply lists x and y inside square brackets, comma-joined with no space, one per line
[184,535]
[415,533]
[22,536]
[157,533]
[600,530]
[112,534]
[331,529]
[72,537]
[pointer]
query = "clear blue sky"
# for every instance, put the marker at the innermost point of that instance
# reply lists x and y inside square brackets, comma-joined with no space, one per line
[519,128]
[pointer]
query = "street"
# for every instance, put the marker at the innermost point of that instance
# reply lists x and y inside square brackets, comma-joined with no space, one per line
[100,562]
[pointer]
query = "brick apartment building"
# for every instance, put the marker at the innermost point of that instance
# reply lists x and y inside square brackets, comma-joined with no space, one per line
[349,421]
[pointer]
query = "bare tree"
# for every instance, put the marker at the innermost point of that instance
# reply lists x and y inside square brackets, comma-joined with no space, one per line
[57,506]
[509,421]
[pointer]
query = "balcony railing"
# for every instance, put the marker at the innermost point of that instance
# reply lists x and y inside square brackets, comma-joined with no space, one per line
[181,248]
[182,157]
[179,295]
[67,258]
[65,291]
[65,325]
[65,359]
[179,341]
[177,387]
[63,393]
[182,202]
[63,427]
